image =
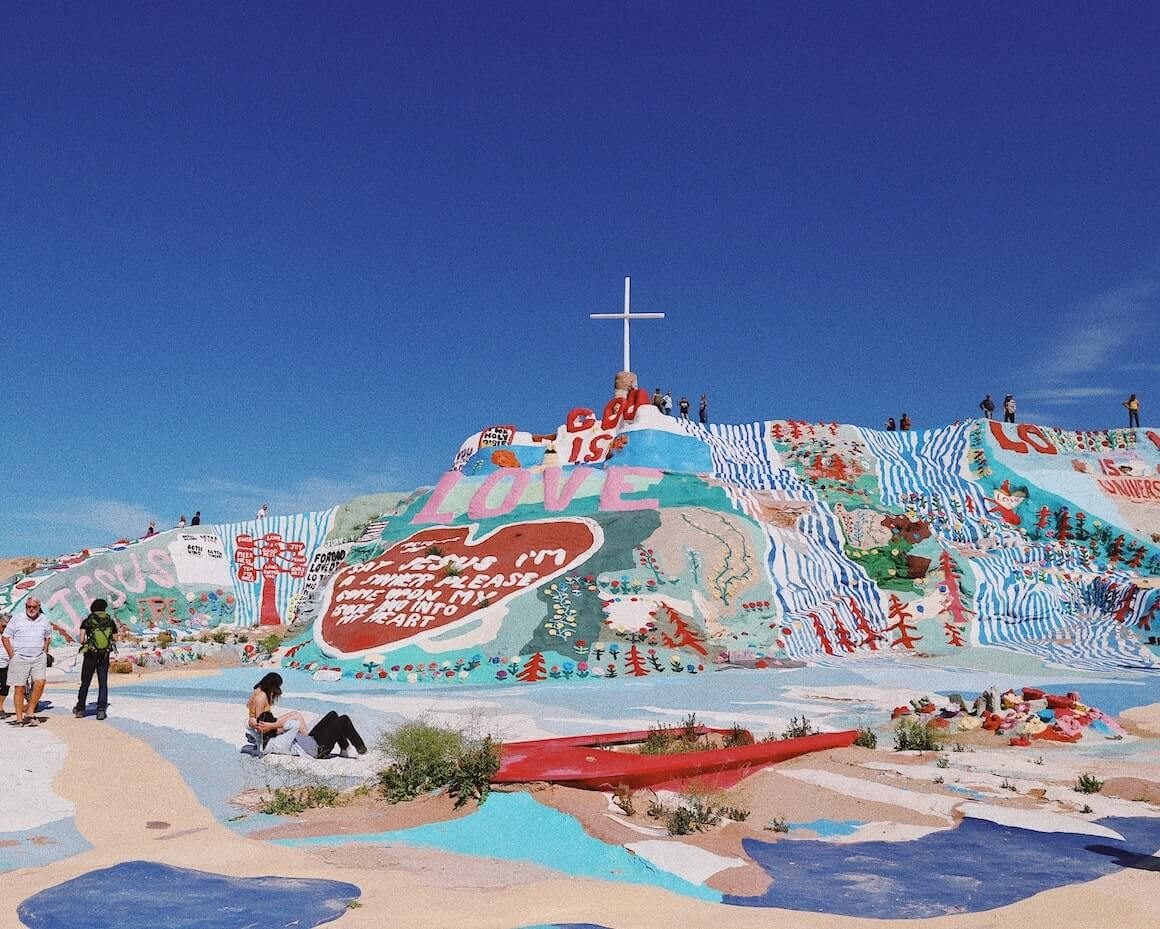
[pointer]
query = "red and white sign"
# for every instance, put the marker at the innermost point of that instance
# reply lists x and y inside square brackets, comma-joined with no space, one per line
[440,576]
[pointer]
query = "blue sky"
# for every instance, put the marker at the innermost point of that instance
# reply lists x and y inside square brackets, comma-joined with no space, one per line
[293,253]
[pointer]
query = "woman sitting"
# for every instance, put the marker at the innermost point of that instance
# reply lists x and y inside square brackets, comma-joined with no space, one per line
[278,734]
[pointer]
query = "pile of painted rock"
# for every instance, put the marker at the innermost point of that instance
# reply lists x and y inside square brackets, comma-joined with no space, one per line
[1021,718]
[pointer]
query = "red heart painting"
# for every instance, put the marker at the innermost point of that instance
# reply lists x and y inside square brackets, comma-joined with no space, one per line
[440,576]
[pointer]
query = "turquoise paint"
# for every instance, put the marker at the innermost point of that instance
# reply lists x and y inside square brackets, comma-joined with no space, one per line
[33,851]
[515,827]
[831,828]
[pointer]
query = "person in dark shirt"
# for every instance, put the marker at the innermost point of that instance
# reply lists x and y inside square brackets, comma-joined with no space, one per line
[890,425]
[904,423]
[196,521]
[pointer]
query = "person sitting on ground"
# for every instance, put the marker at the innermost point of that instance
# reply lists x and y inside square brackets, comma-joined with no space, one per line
[279,733]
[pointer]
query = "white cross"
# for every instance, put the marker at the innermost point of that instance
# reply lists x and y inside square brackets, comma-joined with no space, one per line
[626,316]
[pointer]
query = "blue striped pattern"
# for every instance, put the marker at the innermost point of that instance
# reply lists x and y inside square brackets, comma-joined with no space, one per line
[310,528]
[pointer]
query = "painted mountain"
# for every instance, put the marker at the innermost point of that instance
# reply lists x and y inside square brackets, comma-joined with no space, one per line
[627,543]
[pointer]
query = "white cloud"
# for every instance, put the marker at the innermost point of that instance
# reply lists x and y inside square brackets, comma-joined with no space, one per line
[222,499]
[113,518]
[1061,395]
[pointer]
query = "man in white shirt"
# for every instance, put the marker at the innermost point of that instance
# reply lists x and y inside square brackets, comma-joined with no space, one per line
[26,639]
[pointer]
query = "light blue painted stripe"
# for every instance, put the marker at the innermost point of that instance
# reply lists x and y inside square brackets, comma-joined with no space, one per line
[515,827]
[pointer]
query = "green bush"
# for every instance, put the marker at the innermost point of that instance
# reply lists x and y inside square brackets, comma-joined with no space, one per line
[288,801]
[777,824]
[270,643]
[736,737]
[426,758]
[1088,784]
[912,735]
[798,728]
[866,738]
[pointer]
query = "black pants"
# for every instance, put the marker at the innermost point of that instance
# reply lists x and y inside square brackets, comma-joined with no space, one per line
[1008,417]
[334,730]
[98,662]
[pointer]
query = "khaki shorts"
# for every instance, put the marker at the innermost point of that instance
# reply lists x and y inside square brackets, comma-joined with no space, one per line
[21,670]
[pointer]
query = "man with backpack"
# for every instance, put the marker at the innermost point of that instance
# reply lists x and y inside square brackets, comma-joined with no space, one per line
[98,640]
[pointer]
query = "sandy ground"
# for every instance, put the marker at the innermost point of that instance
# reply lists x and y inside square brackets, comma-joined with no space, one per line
[156,816]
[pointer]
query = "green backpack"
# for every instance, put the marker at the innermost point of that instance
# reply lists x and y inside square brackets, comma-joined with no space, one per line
[101,635]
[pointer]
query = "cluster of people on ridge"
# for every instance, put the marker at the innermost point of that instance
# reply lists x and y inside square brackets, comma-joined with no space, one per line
[987,405]
[181,524]
[664,403]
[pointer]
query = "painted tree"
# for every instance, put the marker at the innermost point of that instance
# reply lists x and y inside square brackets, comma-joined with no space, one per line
[1116,551]
[1137,557]
[270,557]
[820,632]
[634,661]
[957,615]
[1041,520]
[870,636]
[1062,524]
[842,634]
[1126,604]
[1145,621]
[534,670]
[900,614]
[684,634]
[777,432]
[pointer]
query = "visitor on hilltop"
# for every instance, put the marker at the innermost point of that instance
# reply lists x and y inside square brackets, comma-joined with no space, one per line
[684,407]
[667,404]
[904,423]
[98,638]
[286,734]
[196,521]
[262,511]
[181,522]
[25,640]
[987,405]
[703,410]
[152,530]
[1009,408]
[3,671]
[1133,406]
[657,400]
[891,426]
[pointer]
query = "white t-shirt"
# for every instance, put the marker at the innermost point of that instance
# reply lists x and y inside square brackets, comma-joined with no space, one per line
[28,635]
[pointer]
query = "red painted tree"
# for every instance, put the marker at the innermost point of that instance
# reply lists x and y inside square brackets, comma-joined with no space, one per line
[534,670]
[635,662]
[1063,524]
[1126,603]
[269,556]
[1146,618]
[683,634]
[820,632]
[870,636]
[842,634]
[958,617]
[777,432]
[899,613]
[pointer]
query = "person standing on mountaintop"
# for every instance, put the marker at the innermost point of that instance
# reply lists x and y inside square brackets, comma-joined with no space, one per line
[703,410]
[667,404]
[262,511]
[26,639]
[684,407]
[904,423]
[181,522]
[891,426]
[658,401]
[98,636]
[1133,406]
[987,405]
[152,530]
[196,521]
[1009,408]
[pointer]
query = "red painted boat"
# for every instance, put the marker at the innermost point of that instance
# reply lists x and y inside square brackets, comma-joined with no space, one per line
[591,761]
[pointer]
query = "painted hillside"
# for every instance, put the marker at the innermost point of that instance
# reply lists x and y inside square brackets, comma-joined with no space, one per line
[628,543]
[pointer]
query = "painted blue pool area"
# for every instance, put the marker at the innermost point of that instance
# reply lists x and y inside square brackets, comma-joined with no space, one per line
[515,827]
[948,871]
[43,845]
[831,828]
[125,897]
